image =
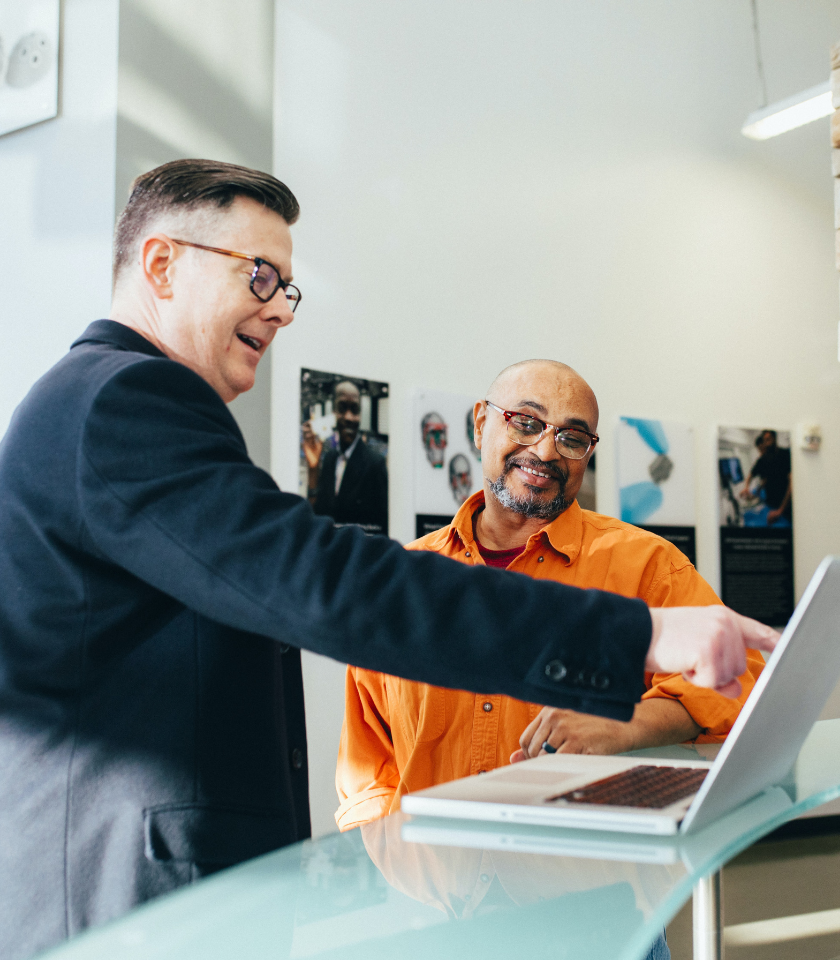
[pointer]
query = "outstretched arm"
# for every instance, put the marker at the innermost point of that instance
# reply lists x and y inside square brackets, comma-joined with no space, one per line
[707,645]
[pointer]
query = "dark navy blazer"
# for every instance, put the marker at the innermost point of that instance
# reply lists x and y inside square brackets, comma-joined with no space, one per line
[155,587]
[363,495]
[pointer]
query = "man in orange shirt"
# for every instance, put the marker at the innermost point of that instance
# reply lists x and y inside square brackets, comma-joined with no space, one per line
[536,432]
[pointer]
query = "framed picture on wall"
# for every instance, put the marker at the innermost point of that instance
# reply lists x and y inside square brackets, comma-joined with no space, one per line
[28,62]
[344,448]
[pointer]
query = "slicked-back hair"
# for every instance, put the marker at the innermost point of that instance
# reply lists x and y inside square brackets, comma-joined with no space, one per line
[187,185]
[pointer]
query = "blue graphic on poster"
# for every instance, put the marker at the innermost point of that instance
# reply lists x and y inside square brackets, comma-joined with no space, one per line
[656,479]
[655,472]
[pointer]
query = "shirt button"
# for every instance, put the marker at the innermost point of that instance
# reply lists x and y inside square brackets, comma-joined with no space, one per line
[482,771]
[487,706]
[540,559]
[485,878]
[555,670]
[297,758]
[468,553]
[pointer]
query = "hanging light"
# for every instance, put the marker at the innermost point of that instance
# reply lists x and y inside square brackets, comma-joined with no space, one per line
[790,113]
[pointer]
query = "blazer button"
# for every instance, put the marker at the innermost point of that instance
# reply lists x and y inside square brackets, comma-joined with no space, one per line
[284,648]
[600,681]
[581,678]
[297,758]
[555,670]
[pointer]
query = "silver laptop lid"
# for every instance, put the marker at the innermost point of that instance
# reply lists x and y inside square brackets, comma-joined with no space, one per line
[785,703]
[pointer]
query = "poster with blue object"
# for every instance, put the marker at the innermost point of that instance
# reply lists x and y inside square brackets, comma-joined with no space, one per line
[656,479]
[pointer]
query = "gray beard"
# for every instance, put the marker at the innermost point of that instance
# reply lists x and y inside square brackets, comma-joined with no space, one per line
[530,506]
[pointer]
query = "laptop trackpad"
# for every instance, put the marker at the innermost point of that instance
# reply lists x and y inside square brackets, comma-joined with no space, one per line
[541,778]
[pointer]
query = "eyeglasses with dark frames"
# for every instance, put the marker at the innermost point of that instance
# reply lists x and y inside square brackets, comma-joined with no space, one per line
[522,428]
[265,277]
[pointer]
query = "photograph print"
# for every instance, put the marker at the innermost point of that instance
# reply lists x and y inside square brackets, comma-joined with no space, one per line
[344,448]
[755,493]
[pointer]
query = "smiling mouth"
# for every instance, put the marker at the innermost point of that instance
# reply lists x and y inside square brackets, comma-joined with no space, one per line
[251,342]
[536,473]
[536,469]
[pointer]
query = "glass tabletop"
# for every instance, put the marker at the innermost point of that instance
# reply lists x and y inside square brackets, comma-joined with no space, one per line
[428,887]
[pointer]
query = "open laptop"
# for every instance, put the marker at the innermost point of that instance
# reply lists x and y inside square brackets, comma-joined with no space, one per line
[634,795]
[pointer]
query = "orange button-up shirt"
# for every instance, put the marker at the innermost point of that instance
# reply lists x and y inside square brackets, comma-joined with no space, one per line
[400,735]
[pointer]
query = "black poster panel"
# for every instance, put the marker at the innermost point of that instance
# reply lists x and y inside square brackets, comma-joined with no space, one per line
[683,538]
[429,522]
[757,572]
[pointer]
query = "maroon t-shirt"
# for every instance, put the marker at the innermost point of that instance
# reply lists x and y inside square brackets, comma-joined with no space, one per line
[499,558]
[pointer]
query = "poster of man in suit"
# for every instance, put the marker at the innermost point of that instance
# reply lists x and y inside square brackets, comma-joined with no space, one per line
[344,448]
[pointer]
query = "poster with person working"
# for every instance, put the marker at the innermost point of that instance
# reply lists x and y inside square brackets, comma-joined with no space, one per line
[344,448]
[655,466]
[756,522]
[447,463]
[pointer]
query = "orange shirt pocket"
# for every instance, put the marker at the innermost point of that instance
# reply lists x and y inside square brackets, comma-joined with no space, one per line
[421,709]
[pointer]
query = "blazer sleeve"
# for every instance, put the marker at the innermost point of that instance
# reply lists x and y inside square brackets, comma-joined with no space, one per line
[168,493]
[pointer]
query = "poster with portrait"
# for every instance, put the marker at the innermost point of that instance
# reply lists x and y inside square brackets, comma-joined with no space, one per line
[755,491]
[447,463]
[655,466]
[28,62]
[344,448]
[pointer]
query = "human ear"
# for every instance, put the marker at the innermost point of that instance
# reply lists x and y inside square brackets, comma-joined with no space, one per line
[479,414]
[157,257]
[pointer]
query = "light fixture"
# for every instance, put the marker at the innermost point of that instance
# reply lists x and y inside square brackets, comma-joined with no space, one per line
[790,113]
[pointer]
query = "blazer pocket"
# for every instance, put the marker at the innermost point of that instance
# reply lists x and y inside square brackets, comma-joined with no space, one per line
[420,707]
[212,835]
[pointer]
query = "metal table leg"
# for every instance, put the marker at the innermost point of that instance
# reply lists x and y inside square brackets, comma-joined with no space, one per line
[708,918]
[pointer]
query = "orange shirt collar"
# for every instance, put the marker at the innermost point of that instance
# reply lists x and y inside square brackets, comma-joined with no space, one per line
[564,533]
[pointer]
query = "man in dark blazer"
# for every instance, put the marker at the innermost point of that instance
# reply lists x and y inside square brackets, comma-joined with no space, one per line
[352,484]
[157,587]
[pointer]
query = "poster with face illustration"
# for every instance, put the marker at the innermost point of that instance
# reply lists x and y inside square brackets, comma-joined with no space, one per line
[28,62]
[447,463]
[344,448]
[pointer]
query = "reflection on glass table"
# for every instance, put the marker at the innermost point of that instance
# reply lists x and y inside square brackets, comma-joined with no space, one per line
[405,888]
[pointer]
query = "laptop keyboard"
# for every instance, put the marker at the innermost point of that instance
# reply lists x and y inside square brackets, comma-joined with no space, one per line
[644,786]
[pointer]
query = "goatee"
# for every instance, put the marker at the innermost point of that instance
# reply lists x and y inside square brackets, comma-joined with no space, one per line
[531,505]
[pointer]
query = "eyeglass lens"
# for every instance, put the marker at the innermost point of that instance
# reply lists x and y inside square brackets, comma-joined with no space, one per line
[528,430]
[265,282]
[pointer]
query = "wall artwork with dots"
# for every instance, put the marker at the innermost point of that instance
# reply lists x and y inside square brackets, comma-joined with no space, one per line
[29,43]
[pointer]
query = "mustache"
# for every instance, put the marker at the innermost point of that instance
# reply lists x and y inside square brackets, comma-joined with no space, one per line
[517,460]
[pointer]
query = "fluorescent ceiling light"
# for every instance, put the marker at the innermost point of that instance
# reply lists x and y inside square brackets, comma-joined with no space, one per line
[788,114]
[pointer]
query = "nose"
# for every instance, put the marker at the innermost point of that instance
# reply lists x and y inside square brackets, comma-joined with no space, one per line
[278,310]
[545,448]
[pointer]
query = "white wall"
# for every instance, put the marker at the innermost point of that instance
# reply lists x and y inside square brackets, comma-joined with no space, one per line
[487,181]
[57,208]
[195,80]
